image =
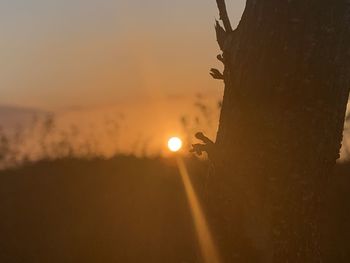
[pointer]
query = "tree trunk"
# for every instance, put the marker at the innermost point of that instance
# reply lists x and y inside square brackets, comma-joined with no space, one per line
[286,88]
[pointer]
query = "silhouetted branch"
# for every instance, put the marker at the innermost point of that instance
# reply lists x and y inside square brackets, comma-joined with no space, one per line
[223,15]
[199,148]
[220,35]
[220,58]
[216,74]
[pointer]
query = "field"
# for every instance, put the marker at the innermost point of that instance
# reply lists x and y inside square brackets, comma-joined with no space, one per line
[125,209]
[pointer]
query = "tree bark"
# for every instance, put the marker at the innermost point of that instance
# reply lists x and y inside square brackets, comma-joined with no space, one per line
[286,88]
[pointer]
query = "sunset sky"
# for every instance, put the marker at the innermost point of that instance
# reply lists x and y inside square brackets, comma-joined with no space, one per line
[75,53]
[139,63]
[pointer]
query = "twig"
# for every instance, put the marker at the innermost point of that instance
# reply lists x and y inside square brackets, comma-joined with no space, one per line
[207,146]
[223,15]
[216,74]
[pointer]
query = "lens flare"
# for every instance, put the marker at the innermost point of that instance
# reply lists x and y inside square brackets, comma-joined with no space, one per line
[174,144]
[209,251]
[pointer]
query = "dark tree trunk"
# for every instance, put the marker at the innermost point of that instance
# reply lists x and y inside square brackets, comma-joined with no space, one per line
[286,88]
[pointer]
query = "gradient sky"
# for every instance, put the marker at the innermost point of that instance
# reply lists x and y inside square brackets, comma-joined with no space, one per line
[57,54]
[92,61]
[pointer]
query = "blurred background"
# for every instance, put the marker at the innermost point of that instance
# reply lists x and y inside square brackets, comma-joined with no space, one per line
[90,93]
[106,76]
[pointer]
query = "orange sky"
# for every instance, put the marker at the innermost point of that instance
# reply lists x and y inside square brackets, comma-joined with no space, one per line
[92,61]
[87,59]
[60,53]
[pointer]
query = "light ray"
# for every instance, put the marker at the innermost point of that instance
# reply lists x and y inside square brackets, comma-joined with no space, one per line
[208,249]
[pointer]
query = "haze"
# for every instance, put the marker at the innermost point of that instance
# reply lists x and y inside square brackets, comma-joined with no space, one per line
[59,54]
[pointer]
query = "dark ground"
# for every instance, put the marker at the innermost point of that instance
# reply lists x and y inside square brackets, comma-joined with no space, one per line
[120,210]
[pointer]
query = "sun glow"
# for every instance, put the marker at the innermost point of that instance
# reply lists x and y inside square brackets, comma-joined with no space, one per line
[174,144]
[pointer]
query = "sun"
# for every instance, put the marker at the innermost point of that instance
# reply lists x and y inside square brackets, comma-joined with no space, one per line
[174,144]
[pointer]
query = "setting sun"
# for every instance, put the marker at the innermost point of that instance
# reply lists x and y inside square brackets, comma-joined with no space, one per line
[174,144]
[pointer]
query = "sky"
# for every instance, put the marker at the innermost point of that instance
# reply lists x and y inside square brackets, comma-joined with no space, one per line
[57,54]
[141,66]
[124,75]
